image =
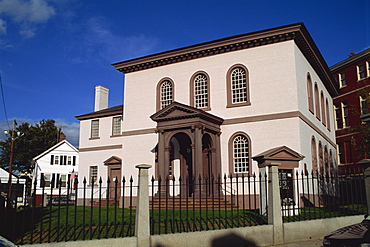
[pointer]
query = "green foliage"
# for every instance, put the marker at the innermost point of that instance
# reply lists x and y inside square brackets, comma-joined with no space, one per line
[32,141]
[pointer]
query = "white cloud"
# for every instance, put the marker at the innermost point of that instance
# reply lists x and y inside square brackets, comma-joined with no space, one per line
[2,26]
[27,14]
[101,42]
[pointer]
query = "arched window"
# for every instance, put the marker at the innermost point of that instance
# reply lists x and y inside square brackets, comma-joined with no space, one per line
[199,91]
[331,164]
[323,113]
[317,102]
[327,115]
[321,160]
[165,91]
[237,86]
[310,94]
[314,155]
[239,153]
[326,163]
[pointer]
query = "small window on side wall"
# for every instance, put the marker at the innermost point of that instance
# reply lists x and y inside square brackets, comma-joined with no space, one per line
[116,129]
[94,128]
[237,80]
[93,174]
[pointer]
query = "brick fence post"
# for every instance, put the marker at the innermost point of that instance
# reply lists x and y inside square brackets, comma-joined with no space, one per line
[142,223]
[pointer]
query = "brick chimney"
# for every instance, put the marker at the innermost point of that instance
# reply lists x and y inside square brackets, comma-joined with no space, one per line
[62,137]
[101,98]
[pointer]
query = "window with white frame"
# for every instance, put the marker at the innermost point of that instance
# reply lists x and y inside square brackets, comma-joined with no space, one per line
[364,104]
[93,174]
[94,128]
[368,67]
[238,85]
[345,118]
[116,125]
[361,71]
[200,91]
[63,179]
[56,160]
[47,178]
[338,117]
[342,79]
[166,94]
[69,160]
[241,154]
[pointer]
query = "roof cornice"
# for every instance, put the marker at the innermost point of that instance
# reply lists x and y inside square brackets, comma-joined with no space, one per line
[296,32]
[112,111]
[353,59]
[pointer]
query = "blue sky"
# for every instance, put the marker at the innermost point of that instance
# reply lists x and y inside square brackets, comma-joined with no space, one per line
[54,52]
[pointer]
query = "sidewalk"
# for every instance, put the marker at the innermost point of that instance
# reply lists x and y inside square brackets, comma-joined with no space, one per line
[309,243]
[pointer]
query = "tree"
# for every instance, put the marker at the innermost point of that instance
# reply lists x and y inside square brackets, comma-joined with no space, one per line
[30,141]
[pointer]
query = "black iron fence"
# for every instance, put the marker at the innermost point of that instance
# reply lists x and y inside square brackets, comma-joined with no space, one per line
[318,196]
[206,203]
[107,209]
[81,212]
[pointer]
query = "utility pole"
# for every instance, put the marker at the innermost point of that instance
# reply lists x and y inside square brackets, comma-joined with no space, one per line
[11,160]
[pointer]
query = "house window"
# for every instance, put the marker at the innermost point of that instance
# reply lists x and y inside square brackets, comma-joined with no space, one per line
[317,102]
[323,113]
[63,180]
[340,152]
[94,128]
[56,160]
[93,174]
[47,177]
[240,153]
[200,91]
[363,104]
[342,80]
[309,92]
[361,71]
[165,93]
[338,117]
[237,87]
[117,125]
[69,160]
[345,118]
[368,67]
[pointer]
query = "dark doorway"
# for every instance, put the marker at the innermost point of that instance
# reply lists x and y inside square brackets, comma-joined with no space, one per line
[183,151]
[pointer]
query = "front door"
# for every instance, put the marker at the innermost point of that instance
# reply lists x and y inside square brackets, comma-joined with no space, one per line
[115,175]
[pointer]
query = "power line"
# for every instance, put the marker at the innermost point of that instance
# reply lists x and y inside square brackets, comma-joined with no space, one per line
[2,94]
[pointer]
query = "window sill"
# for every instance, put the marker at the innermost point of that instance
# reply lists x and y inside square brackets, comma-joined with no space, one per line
[94,138]
[112,136]
[238,104]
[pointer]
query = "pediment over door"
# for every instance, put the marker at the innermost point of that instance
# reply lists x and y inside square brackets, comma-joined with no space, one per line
[113,160]
[287,157]
[181,114]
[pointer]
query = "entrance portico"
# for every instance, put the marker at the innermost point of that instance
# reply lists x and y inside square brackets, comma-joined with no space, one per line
[191,136]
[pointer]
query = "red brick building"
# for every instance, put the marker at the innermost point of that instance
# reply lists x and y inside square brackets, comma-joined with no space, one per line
[353,78]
